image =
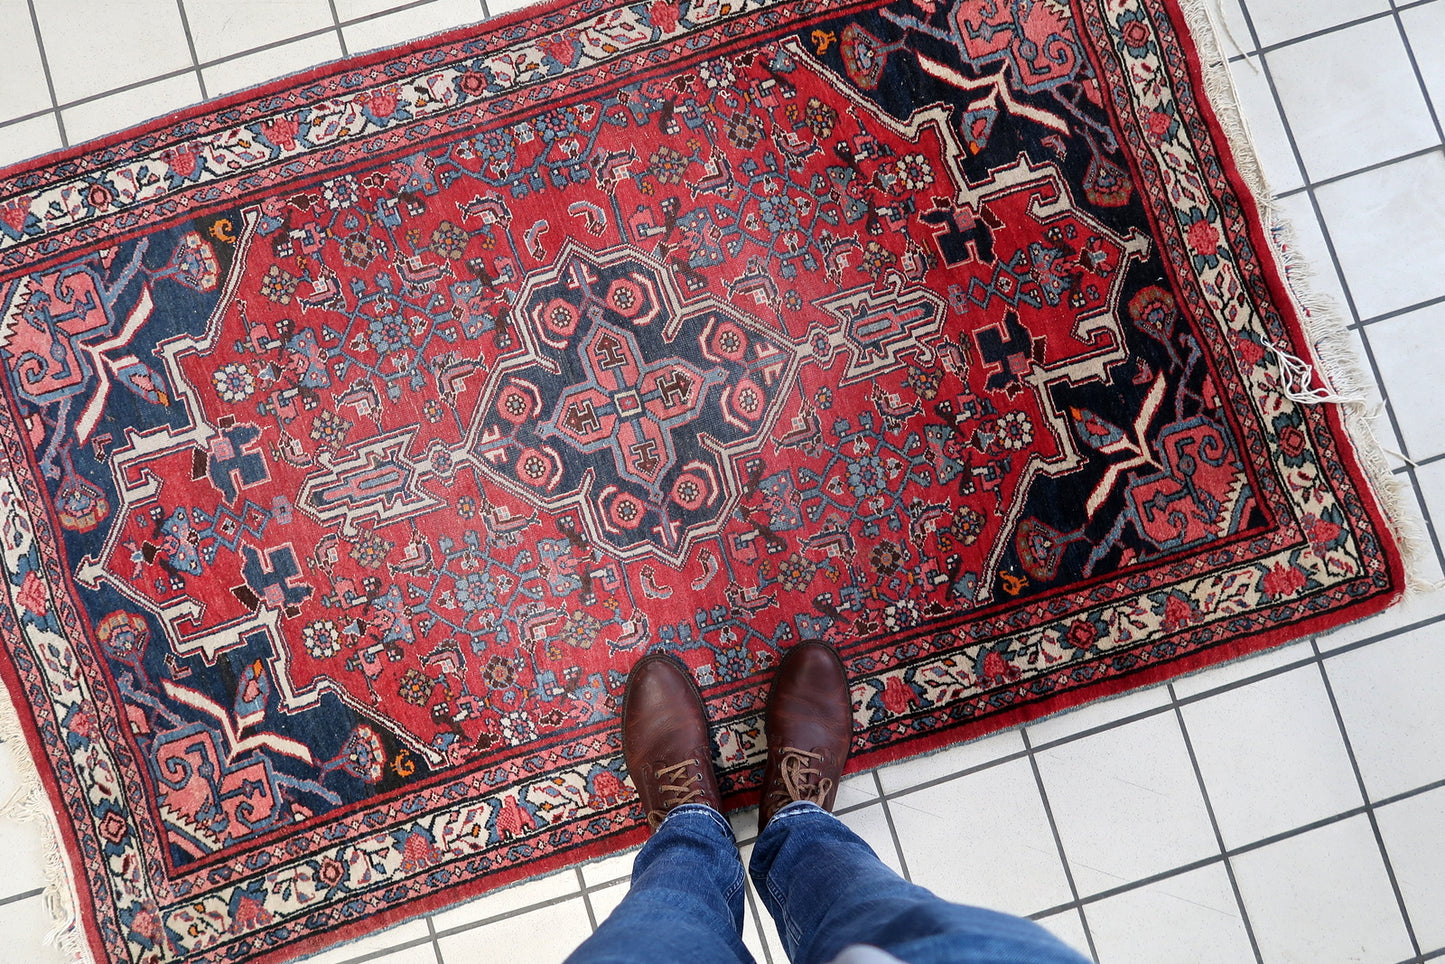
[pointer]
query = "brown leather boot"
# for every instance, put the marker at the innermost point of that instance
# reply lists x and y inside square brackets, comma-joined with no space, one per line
[665,738]
[809,730]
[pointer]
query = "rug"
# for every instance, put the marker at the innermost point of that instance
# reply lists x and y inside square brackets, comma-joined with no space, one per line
[362,431]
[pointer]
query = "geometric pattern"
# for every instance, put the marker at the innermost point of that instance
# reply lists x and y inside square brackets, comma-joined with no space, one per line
[361,433]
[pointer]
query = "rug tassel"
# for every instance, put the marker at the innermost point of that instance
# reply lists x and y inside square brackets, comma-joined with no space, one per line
[1222,23]
[1296,376]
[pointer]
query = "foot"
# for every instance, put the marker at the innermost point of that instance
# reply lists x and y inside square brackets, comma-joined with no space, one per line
[665,738]
[809,730]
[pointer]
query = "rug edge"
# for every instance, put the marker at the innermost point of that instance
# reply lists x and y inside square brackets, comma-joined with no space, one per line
[1318,315]
[31,804]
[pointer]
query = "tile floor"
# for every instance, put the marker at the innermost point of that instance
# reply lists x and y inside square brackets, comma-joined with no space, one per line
[1287,808]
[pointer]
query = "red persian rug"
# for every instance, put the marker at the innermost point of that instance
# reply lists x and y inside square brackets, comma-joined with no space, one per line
[360,432]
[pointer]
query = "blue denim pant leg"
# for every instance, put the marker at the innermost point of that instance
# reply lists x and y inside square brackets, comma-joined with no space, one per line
[685,904]
[827,890]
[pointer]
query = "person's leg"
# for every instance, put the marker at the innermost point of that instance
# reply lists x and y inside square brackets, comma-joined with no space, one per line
[824,886]
[828,891]
[686,900]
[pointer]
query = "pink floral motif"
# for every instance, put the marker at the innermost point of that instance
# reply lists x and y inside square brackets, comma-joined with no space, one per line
[32,595]
[1037,40]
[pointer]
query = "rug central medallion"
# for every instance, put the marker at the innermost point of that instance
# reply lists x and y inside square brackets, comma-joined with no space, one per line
[628,403]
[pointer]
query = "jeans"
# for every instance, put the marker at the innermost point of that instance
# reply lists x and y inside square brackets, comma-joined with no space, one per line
[824,886]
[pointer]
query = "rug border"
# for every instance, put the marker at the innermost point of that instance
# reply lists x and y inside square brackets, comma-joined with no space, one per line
[1361,453]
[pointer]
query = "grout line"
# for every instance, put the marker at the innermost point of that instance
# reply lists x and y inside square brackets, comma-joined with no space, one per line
[1419,75]
[22,896]
[387,951]
[1233,852]
[486,10]
[49,76]
[340,35]
[203,65]
[432,936]
[1150,713]
[1367,169]
[1396,313]
[586,898]
[1323,31]
[892,829]
[1350,304]
[191,46]
[751,903]
[1058,840]
[505,915]
[1365,796]
[1214,826]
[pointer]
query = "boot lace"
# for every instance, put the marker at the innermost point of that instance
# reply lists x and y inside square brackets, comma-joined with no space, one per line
[676,788]
[800,780]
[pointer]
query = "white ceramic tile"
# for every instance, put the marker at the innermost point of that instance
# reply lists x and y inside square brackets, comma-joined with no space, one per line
[1413,610]
[1315,272]
[508,899]
[25,852]
[1189,917]
[408,933]
[353,9]
[983,839]
[27,139]
[22,79]
[1271,756]
[871,824]
[1388,226]
[423,21]
[118,111]
[548,934]
[499,7]
[1415,844]
[24,924]
[1425,26]
[616,867]
[1255,664]
[1372,405]
[1430,486]
[1389,697]
[605,900]
[1233,30]
[221,28]
[1281,20]
[1068,926]
[258,68]
[1322,896]
[1338,83]
[1267,133]
[759,929]
[935,766]
[416,954]
[1100,712]
[1410,352]
[856,789]
[95,47]
[1126,803]
[12,776]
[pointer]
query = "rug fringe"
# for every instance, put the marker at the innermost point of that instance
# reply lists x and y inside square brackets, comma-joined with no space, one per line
[1333,354]
[29,804]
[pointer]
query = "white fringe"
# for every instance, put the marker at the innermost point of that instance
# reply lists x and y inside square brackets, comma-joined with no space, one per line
[29,804]
[1334,357]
